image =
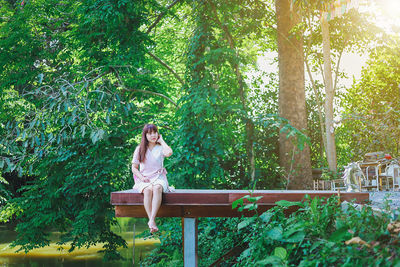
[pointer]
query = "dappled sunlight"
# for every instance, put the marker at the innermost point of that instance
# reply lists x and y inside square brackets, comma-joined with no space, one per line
[57,251]
[55,254]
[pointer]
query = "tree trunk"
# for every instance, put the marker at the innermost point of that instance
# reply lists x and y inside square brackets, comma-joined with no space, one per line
[329,130]
[296,163]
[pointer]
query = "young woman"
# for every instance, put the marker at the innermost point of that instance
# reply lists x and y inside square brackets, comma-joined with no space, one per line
[151,178]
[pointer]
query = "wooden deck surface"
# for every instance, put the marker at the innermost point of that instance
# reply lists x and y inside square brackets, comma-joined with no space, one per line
[214,203]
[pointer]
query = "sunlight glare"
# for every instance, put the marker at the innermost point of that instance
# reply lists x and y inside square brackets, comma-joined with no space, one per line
[387,12]
[391,8]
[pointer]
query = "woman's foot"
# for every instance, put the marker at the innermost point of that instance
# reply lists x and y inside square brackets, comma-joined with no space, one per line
[152,226]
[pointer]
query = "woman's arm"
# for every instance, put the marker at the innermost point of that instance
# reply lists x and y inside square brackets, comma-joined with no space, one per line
[136,172]
[167,151]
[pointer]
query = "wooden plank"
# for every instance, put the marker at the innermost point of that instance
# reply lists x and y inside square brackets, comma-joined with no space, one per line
[126,198]
[195,198]
[189,198]
[137,211]
[192,204]
[218,197]
[214,203]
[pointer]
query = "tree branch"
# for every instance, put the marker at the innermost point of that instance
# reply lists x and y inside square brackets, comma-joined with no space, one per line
[167,67]
[152,93]
[121,84]
[338,63]
[314,87]
[319,64]
[160,16]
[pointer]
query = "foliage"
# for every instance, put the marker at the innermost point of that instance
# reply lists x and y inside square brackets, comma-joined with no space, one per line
[371,107]
[4,194]
[200,110]
[79,79]
[321,232]
[329,175]
[67,115]
[216,236]
[216,108]
[315,235]
[352,32]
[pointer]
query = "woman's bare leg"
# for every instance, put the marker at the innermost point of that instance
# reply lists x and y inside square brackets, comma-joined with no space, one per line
[157,197]
[147,198]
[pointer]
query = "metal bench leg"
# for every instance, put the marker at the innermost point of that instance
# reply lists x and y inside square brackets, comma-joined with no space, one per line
[190,242]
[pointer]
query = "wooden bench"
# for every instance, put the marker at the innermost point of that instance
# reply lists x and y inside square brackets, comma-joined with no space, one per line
[191,204]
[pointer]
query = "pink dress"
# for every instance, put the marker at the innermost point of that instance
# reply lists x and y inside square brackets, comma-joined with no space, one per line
[152,168]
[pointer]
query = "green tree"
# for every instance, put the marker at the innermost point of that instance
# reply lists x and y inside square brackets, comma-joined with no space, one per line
[78,81]
[325,42]
[371,107]
[68,111]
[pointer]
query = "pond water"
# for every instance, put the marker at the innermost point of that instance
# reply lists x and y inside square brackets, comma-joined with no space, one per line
[52,256]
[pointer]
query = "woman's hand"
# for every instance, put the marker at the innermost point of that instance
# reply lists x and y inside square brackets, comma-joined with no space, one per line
[167,151]
[136,172]
[160,139]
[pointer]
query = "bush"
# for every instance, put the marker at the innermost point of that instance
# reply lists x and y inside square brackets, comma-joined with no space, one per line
[320,233]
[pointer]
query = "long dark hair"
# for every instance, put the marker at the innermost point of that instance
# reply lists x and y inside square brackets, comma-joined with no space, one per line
[148,128]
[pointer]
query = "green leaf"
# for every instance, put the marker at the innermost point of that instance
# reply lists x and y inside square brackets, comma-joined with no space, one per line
[8,162]
[246,222]
[340,234]
[274,260]
[266,216]
[20,171]
[315,245]
[275,233]
[83,130]
[397,264]
[285,203]
[254,199]
[246,253]
[314,204]
[280,252]
[93,136]
[297,237]
[252,206]
[63,90]
[237,202]
[100,134]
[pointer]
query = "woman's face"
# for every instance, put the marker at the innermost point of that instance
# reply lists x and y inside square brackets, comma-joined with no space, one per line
[152,137]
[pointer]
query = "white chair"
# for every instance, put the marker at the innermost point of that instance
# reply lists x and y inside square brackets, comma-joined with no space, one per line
[371,181]
[396,178]
[393,171]
[391,176]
